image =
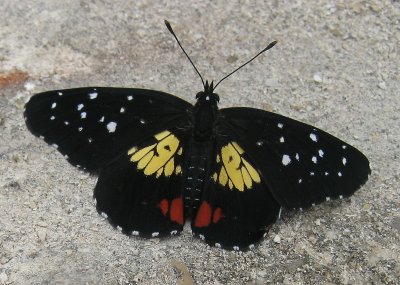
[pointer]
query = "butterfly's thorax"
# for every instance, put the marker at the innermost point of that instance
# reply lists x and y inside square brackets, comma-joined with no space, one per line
[204,116]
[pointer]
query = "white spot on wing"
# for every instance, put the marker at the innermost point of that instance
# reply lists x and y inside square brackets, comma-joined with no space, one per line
[52,118]
[93,95]
[282,139]
[129,98]
[297,157]
[313,137]
[83,115]
[314,159]
[326,173]
[344,146]
[101,119]
[122,110]
[80,129]
[135,233]
[312,173]
[111,126]
[339,174]
[80,107]
[202,237]
[174,232]
[285,159]
[236,248]
[59,93]
[280,125]
[344,161]
[300,180]
[142,121]
[321,153]
[155,234]
[53,105]
[90,140]
[66,123]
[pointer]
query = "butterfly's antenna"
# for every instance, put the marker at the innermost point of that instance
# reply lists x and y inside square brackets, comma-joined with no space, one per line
[172,32]
[267,48]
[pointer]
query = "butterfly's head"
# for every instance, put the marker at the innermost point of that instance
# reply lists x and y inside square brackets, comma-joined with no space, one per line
[207,96]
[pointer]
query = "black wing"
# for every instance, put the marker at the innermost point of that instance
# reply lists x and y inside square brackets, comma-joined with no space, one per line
[300,164]
[93,125]
[140,192]
[236,206]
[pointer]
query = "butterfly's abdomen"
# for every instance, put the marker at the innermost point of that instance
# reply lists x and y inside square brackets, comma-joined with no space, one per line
[196,171]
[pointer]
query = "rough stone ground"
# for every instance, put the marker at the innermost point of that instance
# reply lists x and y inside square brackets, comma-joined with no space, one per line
[336,66]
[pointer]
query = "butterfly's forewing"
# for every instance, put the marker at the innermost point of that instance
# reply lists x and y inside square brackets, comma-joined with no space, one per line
[235,208]
[140,192]
[92,126]
[301,165]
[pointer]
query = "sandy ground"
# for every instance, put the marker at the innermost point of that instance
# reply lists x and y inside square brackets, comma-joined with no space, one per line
[336,66]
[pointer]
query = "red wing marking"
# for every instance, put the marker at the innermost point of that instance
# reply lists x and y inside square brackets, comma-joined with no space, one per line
[176,211]
[203,217]
[163,206]
[218,215]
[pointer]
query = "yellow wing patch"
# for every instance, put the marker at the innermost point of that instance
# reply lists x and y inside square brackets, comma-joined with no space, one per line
[236,172]
[158,158]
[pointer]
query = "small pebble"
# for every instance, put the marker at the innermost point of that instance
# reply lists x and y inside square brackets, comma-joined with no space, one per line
[42,224]
[317,77]
[262,273]
[29,86]
[382,85]
[3,278]
[42,234]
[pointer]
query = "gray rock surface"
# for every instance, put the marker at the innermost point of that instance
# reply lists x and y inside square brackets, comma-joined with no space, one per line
[336,66]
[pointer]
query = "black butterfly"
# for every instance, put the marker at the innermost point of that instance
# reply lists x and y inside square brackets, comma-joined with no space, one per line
[162,160]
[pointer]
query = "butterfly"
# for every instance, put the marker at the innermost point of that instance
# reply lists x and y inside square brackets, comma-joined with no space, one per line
[162,160]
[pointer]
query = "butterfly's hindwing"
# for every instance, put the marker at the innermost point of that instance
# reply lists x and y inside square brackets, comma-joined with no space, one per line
[236,208]
[92,126]
[300,164]
[141,191]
